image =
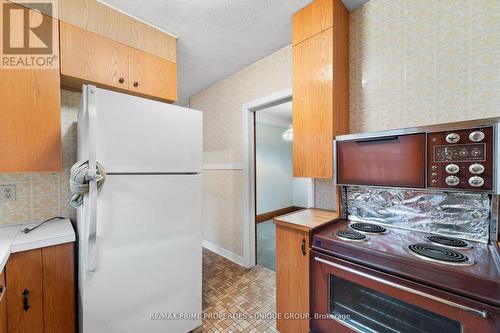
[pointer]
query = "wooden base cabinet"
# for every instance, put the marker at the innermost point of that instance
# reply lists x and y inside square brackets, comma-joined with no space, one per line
[41,290]
[293,235]
[3,304]
[292,280]
[320,85]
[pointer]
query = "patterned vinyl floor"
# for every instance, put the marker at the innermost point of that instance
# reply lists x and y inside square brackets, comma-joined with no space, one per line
[236,299]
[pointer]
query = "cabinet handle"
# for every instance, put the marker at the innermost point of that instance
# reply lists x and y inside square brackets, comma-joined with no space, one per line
[2,292]
[136,83]
[121,80]
[303,247]
[26,300]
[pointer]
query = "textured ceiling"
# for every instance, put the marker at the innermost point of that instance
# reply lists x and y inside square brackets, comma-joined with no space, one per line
[217,37]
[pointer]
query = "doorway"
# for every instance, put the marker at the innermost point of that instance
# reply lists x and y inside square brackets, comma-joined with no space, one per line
[272,190]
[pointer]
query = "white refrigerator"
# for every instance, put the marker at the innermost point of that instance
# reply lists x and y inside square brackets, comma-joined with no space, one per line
[139,234]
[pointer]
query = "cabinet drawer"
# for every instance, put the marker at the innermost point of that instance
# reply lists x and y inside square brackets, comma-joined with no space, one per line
[91,57]
[386,161]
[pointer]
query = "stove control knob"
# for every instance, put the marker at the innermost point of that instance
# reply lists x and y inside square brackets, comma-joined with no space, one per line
[475,153]
[452,138]
[452,180]
[452,168]
[476,136]
[476,168]
[476,181]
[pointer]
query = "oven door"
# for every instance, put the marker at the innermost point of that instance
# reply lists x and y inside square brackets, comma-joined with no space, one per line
[347,297]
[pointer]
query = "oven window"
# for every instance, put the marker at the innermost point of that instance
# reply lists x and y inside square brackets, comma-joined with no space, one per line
[369,311]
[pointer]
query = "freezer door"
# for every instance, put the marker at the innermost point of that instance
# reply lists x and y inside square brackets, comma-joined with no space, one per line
[138,135]
[148,255]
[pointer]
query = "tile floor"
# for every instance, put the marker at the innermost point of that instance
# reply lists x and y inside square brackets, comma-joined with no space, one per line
[245,296]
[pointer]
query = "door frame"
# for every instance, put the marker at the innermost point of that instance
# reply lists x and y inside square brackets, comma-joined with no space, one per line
[249,193]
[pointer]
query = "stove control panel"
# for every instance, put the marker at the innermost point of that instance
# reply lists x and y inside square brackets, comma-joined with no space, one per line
[461,159]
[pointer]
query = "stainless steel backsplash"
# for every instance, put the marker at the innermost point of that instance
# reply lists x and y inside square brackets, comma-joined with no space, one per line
[457,214]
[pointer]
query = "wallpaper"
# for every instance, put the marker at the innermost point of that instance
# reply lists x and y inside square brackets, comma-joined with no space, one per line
[222,143]
[44,195]
[421,62]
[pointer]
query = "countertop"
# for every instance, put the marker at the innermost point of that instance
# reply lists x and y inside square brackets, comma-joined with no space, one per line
[13,239]
[306,219]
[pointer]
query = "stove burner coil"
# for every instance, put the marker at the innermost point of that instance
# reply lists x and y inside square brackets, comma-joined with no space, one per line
[368,228]
[350,235]
[448,241]
[439,254]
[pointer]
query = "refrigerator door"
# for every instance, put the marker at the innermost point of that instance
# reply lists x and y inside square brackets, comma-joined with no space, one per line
[138,135]
[148,255]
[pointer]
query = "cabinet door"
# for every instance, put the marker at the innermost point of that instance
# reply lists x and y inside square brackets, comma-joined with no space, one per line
[152,76]
[86,56]
[3,304]
[30,118]
[312,84]
[24,296]
[311,20]
[292,279]
[59,309]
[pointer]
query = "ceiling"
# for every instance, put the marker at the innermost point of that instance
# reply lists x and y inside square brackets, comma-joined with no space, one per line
[217,38]
[278,115]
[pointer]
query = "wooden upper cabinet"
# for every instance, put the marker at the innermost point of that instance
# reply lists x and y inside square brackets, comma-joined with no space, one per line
[320,89]
[87,57]
[91,57]
[151,75]
[313,107]
[30,116]
[311,20]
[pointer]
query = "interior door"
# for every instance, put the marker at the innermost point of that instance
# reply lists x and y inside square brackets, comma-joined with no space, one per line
[148,255]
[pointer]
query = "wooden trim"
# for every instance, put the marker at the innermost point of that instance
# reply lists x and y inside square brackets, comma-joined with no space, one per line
[272,214]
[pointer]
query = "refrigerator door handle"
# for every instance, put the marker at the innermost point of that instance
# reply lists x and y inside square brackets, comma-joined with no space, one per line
[92,226]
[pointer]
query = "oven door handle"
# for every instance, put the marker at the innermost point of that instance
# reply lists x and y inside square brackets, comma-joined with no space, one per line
[481,313]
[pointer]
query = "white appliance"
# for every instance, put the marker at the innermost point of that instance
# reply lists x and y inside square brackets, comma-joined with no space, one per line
[140,232]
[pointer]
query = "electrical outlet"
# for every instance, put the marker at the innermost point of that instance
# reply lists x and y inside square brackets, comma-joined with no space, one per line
[7,193]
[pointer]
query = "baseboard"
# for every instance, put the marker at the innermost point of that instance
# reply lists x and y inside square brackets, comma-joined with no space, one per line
[224,253]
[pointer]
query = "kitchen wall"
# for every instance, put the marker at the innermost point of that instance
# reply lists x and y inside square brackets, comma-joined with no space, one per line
[273,161]
[222,144]
[276,186]
[422,62]
[44,195]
